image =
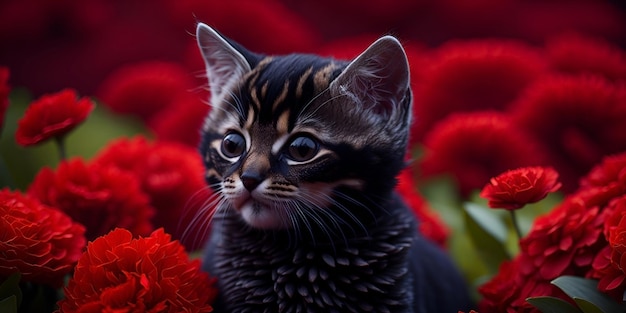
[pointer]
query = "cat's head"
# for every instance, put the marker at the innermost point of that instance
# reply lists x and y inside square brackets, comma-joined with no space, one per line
[298,138]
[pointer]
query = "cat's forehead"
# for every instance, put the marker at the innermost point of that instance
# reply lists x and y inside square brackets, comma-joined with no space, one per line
[278,89]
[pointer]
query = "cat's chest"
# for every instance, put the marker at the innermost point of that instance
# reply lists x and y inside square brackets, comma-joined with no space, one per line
[258,273]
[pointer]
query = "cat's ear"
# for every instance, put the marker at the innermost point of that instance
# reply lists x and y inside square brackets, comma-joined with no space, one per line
[378,79]
[224,64]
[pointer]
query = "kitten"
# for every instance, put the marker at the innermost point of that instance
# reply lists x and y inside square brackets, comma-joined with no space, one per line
[303,152]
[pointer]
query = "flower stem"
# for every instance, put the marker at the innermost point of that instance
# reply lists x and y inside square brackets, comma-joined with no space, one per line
[60,140]
[518,232]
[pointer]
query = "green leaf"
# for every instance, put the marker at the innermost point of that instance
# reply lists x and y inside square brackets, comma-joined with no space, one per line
[588,307]
[586,294]
[552,305]
[11,288]
[9,305]
[10,293]
[488,233]
[5,178]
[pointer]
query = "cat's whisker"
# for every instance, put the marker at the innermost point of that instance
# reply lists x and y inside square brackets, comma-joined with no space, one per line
[292,214]
[303,216]
[238,106]
[199,224]
[357,204]
[310,114]
[309,215]
[328,201]
[306,106]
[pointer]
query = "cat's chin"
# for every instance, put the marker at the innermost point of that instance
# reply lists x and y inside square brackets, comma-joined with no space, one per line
[262,216]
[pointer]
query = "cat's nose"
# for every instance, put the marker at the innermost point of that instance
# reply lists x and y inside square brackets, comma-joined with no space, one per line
[251,180]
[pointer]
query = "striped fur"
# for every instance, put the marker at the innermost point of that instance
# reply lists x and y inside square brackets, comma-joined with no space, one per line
[302,152]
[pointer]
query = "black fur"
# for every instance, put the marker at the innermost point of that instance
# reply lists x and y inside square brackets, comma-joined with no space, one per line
[363,252]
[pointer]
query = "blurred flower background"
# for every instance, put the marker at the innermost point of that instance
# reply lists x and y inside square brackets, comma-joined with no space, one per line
[498,85]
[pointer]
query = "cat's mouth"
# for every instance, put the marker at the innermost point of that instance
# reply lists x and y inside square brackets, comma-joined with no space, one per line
[260,214]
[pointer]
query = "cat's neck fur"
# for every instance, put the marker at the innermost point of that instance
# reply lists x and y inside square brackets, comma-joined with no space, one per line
[266,272]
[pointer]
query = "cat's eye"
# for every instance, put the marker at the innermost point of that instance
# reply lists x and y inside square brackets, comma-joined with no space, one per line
[303,149]
[233,145]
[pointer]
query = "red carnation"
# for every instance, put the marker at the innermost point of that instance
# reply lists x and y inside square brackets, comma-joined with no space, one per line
[100,197]
[473,147]
[499,292]
[39,241]
[578,120]
[472,76]
[508,290]
[283,30]
[562,242]
[514,189]
[181,121]
[52,115]
[609,266]
[144,89]
[565,241]
[611,172]
[149,274]
[4,93]
[171,174]
[577,54]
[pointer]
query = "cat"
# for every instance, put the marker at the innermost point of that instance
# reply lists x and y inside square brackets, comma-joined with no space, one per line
[302,153]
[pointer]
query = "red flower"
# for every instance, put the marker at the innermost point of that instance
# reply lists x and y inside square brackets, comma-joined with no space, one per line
[144,89]
[565,241]
[171,174]
[514,189]
[499,292]
[100,197]
[351,17]
[4,93]
[430,224]
[39,241]
[181,121]
[609,266]
[610,172]
[151,274]
[508,290]
[577,54]
[578,120]
[52,115]
[473,147]
[291,31]
[472,76]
